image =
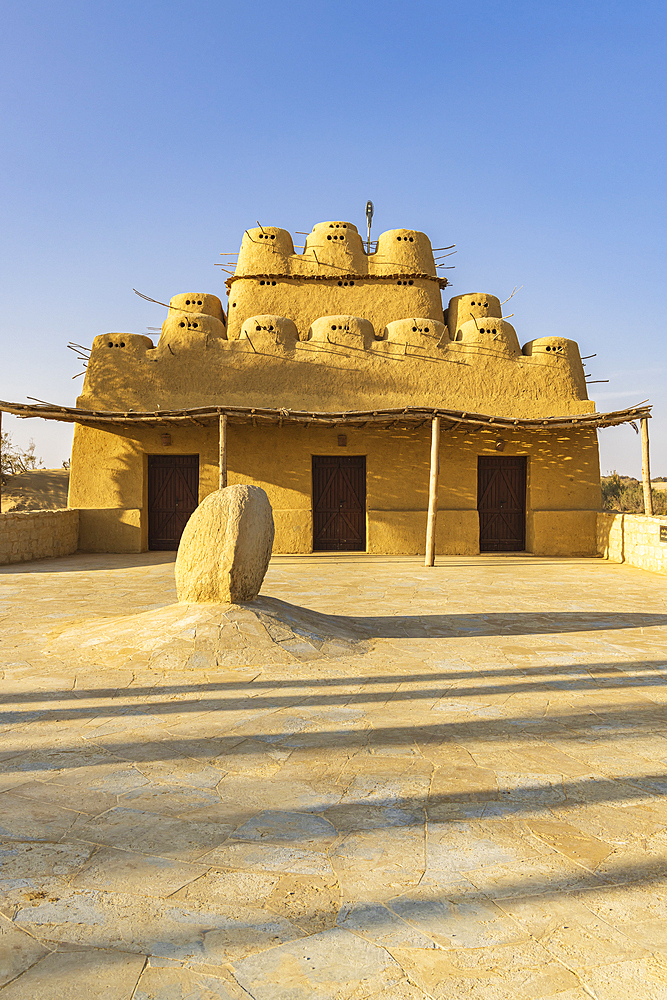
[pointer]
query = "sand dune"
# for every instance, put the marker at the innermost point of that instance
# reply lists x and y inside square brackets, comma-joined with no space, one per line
[41,489]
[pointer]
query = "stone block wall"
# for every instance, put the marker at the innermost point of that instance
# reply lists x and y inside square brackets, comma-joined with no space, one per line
[633,539]
[38,534]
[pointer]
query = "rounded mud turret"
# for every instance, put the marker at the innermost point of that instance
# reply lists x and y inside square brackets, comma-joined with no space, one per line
[490,333]
[561,355]
[198,302]
[472,305]
[270,332]
[403,251]
[423,333]
[190,328]
[265,250]
[338,247]
[553,348]
[344,331]
[128,343]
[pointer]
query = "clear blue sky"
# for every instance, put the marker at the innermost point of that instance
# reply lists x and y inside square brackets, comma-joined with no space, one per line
[140,139]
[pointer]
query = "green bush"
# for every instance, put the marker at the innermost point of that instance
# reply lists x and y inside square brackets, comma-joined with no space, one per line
[621,493]
[15,460]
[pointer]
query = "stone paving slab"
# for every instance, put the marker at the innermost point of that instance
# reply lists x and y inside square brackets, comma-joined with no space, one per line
[376,781]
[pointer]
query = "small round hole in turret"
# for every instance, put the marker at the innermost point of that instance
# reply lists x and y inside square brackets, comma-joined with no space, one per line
[111,343]
[180,324]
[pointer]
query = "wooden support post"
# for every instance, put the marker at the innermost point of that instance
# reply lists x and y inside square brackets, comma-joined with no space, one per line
[646,469]
[222,458]
[433,493]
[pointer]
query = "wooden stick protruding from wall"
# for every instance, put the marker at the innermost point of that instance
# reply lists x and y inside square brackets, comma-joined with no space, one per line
[646,469]
[222,457]
[433,493]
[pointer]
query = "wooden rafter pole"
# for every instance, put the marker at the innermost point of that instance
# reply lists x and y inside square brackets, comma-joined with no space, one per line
[433,493]
[415,414]
[222,456]
[646,469]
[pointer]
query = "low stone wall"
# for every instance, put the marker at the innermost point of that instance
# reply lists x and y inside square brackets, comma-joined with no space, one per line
[38,534]
[633,539]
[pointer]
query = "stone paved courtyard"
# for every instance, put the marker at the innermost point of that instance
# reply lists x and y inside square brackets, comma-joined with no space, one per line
[376,781]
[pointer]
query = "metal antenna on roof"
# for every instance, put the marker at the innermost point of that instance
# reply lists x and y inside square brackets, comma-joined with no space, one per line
[369,219]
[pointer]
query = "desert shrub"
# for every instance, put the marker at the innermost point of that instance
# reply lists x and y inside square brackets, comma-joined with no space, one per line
[14,460]
[621,493]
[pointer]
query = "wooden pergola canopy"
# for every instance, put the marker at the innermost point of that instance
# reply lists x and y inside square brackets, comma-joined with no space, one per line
[408,416]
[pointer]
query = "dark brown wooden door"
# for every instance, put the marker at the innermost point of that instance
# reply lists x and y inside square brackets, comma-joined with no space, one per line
[173,494]
[339,502]
[501,502]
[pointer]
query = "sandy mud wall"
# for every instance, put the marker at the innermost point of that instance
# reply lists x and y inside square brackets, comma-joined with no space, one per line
[109,481]
[563,486]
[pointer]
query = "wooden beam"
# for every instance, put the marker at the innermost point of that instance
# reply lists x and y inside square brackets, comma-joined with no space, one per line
[258,415]
[646,469]
[222,446]
[433,493]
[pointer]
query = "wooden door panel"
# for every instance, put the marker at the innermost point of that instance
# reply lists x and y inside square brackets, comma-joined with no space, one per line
[173,494]
[501,502]
[339,502]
